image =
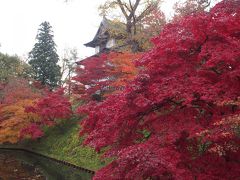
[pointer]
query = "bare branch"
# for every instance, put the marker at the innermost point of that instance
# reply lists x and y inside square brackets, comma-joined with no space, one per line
[122,8]
[133,8]
[145,12]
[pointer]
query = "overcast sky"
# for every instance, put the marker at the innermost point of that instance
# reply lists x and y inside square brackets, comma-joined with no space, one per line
[74,23]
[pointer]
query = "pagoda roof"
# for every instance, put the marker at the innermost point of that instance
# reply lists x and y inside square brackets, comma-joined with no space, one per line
[103,32]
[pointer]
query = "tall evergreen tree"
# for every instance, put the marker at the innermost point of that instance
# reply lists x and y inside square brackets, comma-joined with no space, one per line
[43,58]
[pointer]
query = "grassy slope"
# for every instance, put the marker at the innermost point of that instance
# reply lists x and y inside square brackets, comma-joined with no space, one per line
[65,144]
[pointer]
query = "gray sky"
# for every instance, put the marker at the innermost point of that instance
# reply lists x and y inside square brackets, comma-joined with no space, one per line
[74,23]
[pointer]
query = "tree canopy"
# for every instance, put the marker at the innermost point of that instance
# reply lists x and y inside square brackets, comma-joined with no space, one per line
[179,118]
[12,66]
[44,58]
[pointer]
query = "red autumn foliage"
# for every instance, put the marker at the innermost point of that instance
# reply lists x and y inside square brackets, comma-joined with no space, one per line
[15,95]
[104,73]
[33,130]
[39,85]
[179,118]
[50,109]
[92,75]
[17,89]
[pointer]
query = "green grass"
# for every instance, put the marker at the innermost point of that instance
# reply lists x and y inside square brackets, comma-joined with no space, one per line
[63,143]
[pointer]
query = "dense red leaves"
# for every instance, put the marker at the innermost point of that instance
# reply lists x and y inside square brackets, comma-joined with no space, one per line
[51,108]
[93,74]
[105,73]
[179,118]
[33,130]
[17,89]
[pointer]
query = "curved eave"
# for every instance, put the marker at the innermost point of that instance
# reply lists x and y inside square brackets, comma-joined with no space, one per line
[90,44]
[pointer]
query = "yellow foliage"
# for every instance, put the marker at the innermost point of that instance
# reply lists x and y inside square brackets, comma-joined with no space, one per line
[13,119]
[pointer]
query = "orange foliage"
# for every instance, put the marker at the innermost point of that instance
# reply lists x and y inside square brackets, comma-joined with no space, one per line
[104,74]
[15,96]
[13,119]
[123,69]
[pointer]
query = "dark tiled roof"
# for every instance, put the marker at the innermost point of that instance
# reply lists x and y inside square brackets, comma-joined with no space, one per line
[103,32]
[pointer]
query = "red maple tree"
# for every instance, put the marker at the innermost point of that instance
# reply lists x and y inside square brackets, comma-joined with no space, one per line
[50,108]
[179,118]
[105,73]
